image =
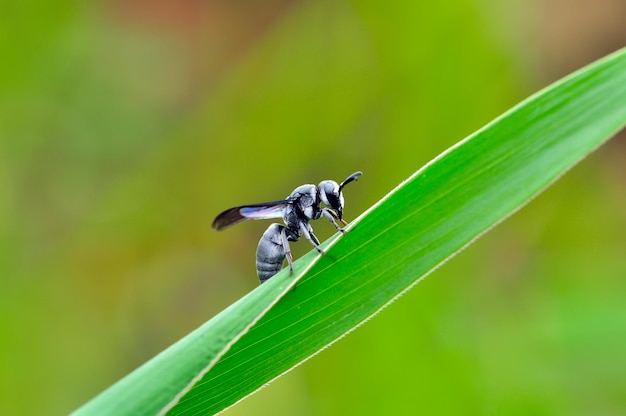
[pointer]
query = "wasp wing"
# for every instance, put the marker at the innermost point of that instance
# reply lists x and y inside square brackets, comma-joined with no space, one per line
[262,211]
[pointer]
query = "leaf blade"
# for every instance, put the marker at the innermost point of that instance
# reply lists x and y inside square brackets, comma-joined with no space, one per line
[423,222]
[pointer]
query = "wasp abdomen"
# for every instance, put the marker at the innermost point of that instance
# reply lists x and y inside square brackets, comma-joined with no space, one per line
[270,253]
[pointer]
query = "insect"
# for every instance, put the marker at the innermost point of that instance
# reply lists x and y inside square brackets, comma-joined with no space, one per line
[301,206]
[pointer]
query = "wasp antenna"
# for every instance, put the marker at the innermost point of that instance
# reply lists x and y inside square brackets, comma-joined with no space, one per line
[353,177]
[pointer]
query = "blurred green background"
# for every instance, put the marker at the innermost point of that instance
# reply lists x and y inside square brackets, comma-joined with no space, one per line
[126,126]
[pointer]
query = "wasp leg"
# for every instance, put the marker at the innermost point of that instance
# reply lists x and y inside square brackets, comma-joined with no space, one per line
[307,231]
[287,250]
[332,217]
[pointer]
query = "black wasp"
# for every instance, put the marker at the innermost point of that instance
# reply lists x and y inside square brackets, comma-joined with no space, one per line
[301,206]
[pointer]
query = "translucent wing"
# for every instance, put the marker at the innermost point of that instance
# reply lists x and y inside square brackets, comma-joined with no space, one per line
[262,211]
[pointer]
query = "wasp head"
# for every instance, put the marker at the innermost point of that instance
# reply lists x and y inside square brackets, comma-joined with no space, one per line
[330,193]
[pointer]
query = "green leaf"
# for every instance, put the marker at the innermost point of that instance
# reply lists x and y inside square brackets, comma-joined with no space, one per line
[413,230]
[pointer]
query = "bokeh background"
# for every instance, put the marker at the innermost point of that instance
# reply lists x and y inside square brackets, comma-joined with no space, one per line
[126,126]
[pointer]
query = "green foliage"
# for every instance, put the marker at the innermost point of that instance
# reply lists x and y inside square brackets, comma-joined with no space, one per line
[419,225]
[126,126]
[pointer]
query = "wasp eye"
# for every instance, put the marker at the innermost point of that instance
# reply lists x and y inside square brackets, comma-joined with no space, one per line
[333,201]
